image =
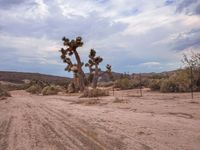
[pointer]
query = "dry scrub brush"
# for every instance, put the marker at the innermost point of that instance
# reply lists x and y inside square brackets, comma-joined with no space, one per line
[95,93]
[51,90]
[4,93]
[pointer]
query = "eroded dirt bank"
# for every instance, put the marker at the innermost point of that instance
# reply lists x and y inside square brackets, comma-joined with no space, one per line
[155,121]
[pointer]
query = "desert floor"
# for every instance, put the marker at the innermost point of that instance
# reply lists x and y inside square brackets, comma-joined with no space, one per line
[155,121]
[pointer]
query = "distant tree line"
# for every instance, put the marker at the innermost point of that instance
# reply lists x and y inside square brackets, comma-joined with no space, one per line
[182,80]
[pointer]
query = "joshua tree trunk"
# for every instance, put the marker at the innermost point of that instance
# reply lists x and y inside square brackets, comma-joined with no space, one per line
[191,79]
[110,75]
[81,74]
[198,81]
[94,61]
[76,83]
[96,76]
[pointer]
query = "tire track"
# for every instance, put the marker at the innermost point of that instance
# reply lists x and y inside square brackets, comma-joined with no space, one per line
[43,131]
[56,137]
[115,144]
[4,133]
[84,136]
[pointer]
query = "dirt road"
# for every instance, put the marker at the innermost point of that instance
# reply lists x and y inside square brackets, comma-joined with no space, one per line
[30,122]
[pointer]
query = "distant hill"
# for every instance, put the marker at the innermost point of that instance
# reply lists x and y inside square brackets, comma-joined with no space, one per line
[20,77]
[151,75]
[146,75]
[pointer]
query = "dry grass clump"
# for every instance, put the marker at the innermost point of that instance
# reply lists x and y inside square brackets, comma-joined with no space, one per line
[105,84]
[92,102]
[4,93]
[51,90]
[120,100]
[95,93]
[8,86]
[178,81]
[40,87]
[126,83]
[34,89]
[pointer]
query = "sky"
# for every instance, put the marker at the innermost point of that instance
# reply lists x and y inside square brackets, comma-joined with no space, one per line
[132,35]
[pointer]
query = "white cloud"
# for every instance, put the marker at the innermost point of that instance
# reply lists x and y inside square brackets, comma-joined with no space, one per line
[144,34]
[150,64]
[37,50]
[28,11]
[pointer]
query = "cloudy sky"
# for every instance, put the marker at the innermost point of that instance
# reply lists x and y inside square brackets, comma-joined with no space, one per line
[131,35]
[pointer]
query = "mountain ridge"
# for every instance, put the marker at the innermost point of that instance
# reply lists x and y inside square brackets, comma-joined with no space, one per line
[19,77]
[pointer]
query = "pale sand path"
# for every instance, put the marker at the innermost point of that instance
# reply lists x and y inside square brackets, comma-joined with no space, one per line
[155,121]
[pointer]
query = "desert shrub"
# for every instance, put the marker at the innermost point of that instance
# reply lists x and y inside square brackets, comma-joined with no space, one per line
[4,93]
[125,84]
[92,101]
[8,86]
[136,81]
[36,86]
[51,90]
[34,89]
[178,82]
[168,86]
[122,83]
[95,93]
[155,84]
[23,86]
[120,100]
[105,84]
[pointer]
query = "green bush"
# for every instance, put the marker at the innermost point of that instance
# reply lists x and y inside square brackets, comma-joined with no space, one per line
[51,90]
[95,93]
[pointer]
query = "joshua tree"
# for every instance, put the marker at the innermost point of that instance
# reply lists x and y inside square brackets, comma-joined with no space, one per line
[95,71]
[94,61]
[109,71]
[76,68]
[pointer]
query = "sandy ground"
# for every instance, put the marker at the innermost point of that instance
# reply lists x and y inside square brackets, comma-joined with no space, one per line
[153,122]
